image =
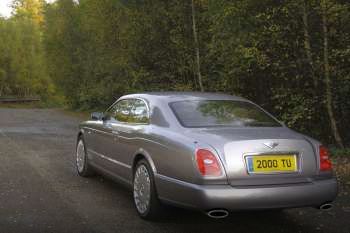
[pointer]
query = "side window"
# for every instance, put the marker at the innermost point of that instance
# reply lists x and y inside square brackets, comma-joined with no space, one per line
[130,111]
[121,110]
[139,112]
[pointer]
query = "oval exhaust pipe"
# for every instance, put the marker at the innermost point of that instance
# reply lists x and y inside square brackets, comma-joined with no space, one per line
[326,206]
[217,213]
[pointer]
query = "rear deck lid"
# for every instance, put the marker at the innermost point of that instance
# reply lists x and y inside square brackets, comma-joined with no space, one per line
[269,161]
[240,150]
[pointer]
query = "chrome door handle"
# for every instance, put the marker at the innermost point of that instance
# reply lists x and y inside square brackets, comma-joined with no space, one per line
[115,132]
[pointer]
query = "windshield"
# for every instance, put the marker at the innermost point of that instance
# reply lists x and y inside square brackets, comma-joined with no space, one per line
[218,113]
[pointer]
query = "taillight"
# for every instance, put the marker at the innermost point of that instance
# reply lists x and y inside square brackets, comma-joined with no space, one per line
[325,162]
[207,163]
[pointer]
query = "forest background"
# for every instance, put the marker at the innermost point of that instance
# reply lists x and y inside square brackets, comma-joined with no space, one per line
[291,57]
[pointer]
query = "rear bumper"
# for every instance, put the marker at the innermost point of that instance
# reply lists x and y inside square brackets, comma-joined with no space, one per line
[207,197]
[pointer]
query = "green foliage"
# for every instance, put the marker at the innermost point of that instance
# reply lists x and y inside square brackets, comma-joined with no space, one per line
[336,152]
[95,51]
[22,57]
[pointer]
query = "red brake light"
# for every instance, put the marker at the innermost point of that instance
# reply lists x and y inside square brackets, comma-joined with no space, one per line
[207,163]
[325,162]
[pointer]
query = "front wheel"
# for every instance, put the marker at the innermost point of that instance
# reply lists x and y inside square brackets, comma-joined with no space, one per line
[82,165]
[146,199]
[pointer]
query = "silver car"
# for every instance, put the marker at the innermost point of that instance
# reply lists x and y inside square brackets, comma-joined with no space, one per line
[211,152]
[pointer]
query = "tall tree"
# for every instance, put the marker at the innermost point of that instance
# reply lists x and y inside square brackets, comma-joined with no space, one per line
[329,95]
[29,9]
[272,52]
[307,41]
[196,45]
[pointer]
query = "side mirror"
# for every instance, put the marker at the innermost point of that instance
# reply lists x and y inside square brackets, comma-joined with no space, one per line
[97,116]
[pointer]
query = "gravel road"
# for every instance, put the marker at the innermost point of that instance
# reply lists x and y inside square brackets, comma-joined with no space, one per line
[41,192]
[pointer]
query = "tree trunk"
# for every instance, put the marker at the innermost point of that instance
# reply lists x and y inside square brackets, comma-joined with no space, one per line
[307,44]
[329,98]
[196,44]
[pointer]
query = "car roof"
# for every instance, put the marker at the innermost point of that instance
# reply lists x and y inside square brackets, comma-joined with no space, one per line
[180,96]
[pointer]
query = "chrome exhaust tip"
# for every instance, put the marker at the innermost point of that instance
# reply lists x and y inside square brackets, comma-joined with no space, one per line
[217,213]
[326,206]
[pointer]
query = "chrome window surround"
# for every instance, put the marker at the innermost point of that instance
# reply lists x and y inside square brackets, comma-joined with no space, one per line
[128,123]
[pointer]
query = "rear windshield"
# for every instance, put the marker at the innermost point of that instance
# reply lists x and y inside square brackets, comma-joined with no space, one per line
[221,113]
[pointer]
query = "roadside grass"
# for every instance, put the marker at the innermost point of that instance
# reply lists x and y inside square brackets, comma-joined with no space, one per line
[78,114]
[341,164]
[83,115]
[342,168]
[21,105]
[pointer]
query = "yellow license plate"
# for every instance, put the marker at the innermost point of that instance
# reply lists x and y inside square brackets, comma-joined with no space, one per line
[271,163]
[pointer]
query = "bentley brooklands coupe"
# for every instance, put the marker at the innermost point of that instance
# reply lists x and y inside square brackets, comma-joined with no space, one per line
[211,152]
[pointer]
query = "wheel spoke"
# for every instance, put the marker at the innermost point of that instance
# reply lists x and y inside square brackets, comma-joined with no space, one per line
[80,157]
[142,189]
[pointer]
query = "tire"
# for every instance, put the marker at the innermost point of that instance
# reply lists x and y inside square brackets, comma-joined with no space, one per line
[81,160]
[144,191]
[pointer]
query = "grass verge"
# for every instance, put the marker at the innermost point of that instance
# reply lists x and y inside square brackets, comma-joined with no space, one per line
[21,105]
[83,115]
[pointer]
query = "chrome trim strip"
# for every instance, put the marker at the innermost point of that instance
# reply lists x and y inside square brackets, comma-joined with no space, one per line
[126,181]
[109,159]
[127,138]
[99,131]
[173,180]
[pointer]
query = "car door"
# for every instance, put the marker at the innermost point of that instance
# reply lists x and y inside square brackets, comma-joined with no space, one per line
[131,120]
[108,151]
[93,137]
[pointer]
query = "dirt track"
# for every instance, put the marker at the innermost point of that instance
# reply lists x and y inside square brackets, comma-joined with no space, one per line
[41,192]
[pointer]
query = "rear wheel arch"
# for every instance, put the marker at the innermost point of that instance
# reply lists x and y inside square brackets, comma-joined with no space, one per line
[142,154]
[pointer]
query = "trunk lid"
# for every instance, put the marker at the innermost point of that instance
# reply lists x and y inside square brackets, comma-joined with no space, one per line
[234,145]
